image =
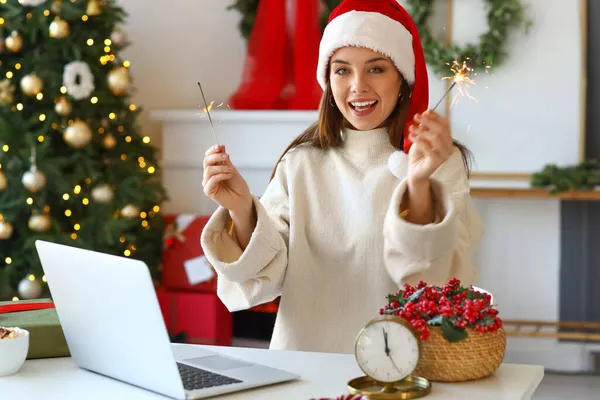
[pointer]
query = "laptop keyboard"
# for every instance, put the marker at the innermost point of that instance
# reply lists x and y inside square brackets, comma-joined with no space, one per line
[196,378]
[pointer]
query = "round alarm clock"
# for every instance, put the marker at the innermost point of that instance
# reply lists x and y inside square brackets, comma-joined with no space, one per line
[387,350]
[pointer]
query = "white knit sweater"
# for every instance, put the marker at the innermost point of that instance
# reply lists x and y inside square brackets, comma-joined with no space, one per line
[331,242]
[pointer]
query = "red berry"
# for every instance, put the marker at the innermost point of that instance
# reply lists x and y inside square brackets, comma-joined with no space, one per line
[421,284]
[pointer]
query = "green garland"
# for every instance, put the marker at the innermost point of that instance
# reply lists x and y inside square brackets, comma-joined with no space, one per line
[502,16]
[583,176]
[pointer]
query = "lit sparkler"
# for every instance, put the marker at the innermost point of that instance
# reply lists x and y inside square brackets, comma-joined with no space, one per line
[207,109]
[461,79]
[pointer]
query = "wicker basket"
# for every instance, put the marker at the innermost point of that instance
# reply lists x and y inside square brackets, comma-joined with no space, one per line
[473,358]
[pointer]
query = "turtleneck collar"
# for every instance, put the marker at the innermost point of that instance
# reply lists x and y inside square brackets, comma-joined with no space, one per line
[367,146]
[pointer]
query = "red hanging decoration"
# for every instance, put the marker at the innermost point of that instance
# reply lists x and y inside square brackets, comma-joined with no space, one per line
[307,36]
[279,71]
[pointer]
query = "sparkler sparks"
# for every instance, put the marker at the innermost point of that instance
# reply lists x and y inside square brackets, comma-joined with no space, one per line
[460,77]
[207,108]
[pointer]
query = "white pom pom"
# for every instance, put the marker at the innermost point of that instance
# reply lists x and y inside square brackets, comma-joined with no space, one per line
[398,164]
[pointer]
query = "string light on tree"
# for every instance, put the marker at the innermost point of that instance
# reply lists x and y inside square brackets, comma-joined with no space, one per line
[109,141]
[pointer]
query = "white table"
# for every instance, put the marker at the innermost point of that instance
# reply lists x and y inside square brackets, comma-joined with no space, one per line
[323,375]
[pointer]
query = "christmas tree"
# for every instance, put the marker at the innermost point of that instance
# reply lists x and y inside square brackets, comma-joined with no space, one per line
[75,168]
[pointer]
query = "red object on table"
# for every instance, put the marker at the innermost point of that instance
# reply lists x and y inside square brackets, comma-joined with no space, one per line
[202,317]
[181,244]
[19,307]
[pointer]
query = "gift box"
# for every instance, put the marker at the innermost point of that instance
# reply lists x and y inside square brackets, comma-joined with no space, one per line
[184,266]
[195,317]
[39,317]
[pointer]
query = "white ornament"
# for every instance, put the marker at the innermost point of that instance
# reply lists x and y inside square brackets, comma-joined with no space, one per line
[39,223]
[118,37]
[78,71]
[102,194]
[34,179]
[32,3]
[130,211]
[29,289]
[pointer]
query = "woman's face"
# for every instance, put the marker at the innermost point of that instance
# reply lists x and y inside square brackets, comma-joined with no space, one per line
[365,86]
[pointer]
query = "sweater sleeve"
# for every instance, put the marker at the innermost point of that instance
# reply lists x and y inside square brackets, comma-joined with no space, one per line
[441,250]
[255,275]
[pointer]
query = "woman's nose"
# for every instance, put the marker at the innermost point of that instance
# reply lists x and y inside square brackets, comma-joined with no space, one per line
[359,84]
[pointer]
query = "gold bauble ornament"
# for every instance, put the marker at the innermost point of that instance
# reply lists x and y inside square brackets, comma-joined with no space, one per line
[130,211]
[102,194]
[63,107]
[34,180]
[31,85]
[78,134]
[59,28]
[39,223]
[119,80]
[6,230]
[56,6]
[109,141]
[29,289]
[14,42]
[3,181]
[93,8]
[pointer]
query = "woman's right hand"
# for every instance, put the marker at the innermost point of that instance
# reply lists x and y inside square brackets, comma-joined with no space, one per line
[223,183]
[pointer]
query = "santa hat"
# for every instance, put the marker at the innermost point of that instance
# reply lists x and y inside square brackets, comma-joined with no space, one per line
[383,26]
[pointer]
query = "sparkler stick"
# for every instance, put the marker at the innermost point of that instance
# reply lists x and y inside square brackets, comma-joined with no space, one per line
[207,108]
[457,77]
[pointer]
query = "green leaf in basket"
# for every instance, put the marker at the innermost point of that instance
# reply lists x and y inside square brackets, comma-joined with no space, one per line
[435,321]
[452,333]
[486,321]
[415,296]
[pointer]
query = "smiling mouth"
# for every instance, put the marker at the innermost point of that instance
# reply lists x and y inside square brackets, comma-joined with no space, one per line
[363,105]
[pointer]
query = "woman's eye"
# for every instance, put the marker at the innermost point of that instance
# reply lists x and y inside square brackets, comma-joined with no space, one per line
[341,71]
[376,70]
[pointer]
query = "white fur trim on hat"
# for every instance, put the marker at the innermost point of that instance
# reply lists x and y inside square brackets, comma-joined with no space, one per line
[371,30]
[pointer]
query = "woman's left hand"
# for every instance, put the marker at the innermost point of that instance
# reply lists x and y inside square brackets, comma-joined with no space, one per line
[432,145]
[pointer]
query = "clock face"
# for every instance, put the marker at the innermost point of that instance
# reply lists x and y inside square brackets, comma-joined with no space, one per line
[387,351]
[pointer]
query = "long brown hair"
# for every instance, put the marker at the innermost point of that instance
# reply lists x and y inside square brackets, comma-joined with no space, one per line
[326,131]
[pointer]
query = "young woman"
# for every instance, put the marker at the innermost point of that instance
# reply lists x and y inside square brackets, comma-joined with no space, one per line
[373,195]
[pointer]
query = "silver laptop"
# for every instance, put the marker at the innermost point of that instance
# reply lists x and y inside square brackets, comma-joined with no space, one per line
[113,325]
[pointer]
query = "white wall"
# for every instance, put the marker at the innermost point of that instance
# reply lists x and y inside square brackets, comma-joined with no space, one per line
[176,45]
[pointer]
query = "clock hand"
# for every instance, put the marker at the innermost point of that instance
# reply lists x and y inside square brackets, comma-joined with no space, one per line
[385,339]
[394,363]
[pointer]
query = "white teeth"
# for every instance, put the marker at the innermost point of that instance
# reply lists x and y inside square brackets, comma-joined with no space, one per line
[363,103]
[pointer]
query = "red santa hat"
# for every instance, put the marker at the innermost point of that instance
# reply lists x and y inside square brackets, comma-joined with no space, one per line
[386,27]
